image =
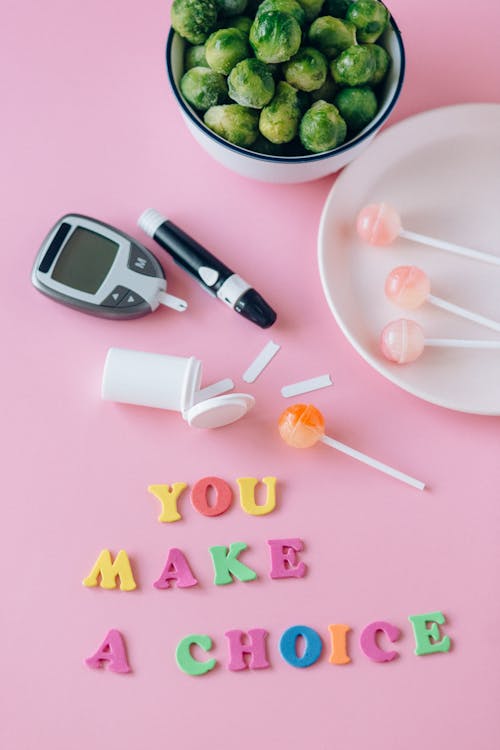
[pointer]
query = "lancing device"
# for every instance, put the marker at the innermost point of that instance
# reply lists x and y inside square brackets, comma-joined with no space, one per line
[213,275]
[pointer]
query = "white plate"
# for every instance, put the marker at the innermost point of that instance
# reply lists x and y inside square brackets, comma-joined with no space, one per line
[441,170]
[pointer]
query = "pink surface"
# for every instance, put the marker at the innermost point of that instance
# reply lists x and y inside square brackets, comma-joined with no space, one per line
[89,125]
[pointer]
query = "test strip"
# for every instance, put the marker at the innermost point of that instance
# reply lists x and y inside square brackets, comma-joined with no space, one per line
[261,362]
[216,389]
[304,386]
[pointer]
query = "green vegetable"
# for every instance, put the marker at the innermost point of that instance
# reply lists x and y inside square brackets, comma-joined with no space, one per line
[233,122]
[370,19]
[263,146]
[358,107]
[224,48]
[231,7]
[275,37]
[332,35]
[203,88]
[279,121]
[251,83]
[194,20]
[306,70]
[291,7]
[311,8]
[336,8]
[322,128]
[243,23]
[382,63]
[354,67]
[195,57]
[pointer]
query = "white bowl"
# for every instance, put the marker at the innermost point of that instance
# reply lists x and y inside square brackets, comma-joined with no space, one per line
[288,169]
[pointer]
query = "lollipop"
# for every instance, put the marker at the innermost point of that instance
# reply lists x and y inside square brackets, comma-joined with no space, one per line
[409,287]
[380,224]
[302,426]
[403,341]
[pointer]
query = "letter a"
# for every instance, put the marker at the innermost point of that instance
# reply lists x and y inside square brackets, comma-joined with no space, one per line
[111,651]
[176,569]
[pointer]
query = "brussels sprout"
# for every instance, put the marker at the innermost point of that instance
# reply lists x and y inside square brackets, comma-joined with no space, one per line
[231,7]
[194,20]
[382,62]
[370,19]
[203,88]
[233,122]
[336,8]
[332,35]
[326,92]
[242,23]
[275,37]
[279,121]
[224,48]
[291,7]
[358,107]
[311,8]
[322,128]
[251,83]
[195,57]
[263,146]
[307,69]
[355,66]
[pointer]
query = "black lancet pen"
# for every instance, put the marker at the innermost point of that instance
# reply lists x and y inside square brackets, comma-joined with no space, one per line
[213,275]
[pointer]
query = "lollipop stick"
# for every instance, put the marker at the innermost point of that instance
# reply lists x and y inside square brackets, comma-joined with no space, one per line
[451,247]
[372,462]
[463,313]
[463,343]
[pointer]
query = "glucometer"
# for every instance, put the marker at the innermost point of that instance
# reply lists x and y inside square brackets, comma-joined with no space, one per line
[93,267]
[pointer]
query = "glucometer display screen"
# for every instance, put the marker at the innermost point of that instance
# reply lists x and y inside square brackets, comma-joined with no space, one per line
[85,260]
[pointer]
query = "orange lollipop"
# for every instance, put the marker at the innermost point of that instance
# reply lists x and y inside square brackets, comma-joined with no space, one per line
[302,426]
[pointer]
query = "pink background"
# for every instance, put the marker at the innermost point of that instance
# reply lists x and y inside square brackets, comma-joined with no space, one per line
[89,125]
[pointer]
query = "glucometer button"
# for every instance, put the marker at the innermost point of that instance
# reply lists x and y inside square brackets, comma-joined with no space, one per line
[131,299]
[140,263]
[116,296]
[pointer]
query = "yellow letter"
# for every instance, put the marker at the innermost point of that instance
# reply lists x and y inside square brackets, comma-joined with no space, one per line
[247,496]
[109,570]
[168,497]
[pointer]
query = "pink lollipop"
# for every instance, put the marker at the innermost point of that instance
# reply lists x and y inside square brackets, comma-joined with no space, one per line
[380,224]
[403,341]
[409,287]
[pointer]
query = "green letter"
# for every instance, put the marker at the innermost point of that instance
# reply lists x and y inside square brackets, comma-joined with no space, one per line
[226,563]
[187,662]
[427,639]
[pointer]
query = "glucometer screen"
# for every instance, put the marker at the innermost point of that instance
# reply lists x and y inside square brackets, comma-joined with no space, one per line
[85,260]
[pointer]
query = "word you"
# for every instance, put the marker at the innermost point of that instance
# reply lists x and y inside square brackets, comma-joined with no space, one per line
[212,496]
[300,646]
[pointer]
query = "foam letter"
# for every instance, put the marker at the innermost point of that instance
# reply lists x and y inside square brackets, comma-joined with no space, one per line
[256,648]
[247,496]
[168,496]
[338,635]
[427,639]
[176,569]
[223,496]
[109,571]
[312,650]
[368,641]
[226,563]
[112,651]
[284,563]
[187,662]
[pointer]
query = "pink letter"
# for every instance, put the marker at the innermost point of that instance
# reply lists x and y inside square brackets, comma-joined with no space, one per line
[256,648]
[111,650]
[368,640]
[176,569]
[284,563]
[223,496]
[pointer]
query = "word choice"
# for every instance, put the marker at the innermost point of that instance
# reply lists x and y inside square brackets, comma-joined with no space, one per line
[300,646]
